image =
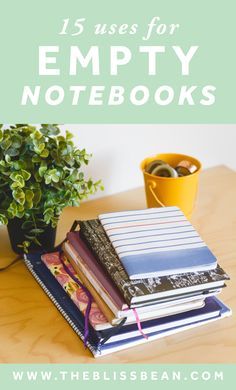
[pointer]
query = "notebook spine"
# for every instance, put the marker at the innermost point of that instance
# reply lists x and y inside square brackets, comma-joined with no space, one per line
[58,306]
[106,256]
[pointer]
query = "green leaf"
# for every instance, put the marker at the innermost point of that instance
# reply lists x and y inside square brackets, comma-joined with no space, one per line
[36,135]
[25,245]
[19,195]
[19,164]
[14,175]
[37,177]
[8,158]
[52,175]
[37,196]
[27,225]
[56,178]
[77,186]
[17,184]
[3,219]
[42,171]
[16,141]
[20,207]
[69,135]
[49,130]
[29,237]
[48,180]
[36,159]
[5,144]
[29,195]
[36,231]
[13,152]
[18,180]
[12,209]
[26,175]
[44,153]
[36,241]
[39,148]
[20,214]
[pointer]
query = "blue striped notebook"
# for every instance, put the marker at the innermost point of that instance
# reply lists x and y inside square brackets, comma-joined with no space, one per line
[157,242]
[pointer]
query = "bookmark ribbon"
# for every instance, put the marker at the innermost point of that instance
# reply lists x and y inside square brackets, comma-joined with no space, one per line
[139,324]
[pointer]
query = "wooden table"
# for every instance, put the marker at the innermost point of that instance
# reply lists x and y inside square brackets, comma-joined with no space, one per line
[33,331]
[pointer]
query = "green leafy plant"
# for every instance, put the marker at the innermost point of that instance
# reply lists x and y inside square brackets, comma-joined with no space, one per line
[40,174]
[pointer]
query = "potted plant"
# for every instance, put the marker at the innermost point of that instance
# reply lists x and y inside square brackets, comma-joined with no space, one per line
[40,174]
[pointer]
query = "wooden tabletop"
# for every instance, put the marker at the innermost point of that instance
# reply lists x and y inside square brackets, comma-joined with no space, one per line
[33,331]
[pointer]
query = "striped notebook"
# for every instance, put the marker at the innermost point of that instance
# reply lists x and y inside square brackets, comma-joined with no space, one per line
[157,242]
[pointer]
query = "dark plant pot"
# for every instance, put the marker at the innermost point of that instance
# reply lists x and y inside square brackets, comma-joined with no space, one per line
[17,236]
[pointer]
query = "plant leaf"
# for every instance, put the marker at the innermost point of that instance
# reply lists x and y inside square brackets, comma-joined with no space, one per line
[19,195]
[3,219]
[29,195]
[27,225]
[36,231]
[25,174]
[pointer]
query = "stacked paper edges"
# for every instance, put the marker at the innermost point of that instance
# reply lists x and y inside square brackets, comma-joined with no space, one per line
[132,277]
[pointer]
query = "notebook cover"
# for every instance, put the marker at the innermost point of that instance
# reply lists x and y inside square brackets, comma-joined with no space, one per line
[94,236]
[102,276]
[60,299]
[156,242]
[97,317]
[97,297]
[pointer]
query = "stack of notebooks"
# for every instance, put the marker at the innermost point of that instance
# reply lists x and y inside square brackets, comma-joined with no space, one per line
[132,277]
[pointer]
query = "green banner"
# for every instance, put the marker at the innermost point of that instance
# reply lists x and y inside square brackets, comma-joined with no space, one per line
[57,376]
[118,61]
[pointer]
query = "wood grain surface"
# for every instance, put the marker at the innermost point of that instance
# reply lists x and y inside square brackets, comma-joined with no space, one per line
[33,331]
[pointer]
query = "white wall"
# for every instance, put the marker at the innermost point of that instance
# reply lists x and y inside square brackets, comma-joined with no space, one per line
[118,149]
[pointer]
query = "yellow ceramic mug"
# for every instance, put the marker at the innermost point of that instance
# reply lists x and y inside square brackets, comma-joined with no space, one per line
[169,191]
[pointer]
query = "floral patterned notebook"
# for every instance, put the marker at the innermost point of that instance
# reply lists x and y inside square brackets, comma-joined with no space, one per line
[76,293]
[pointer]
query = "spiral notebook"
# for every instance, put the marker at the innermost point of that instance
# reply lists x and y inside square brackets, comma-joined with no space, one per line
[125,337]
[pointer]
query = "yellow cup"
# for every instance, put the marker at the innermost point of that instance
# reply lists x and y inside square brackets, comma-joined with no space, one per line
[169,191]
